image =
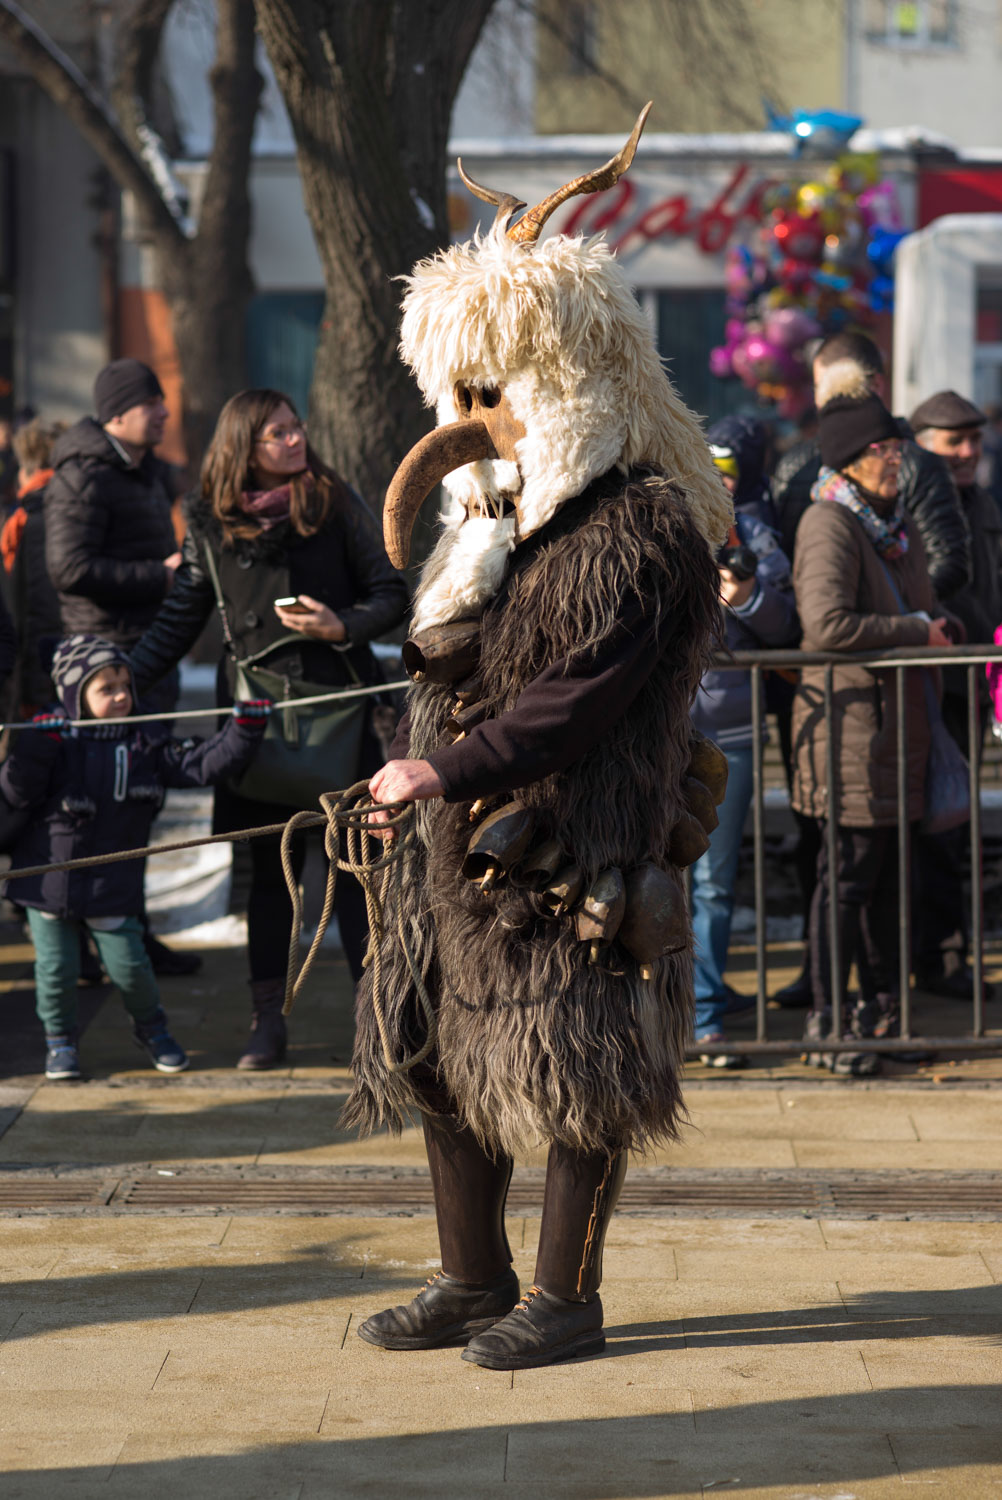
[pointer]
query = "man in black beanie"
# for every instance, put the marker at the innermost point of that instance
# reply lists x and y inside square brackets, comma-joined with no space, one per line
[110,546]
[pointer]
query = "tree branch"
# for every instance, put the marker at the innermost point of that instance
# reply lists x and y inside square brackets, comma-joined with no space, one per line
[136,47]
[225,215]
[64,83]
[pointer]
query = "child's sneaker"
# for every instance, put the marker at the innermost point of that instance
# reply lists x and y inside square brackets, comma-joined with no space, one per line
[62,1060]
[154,1038]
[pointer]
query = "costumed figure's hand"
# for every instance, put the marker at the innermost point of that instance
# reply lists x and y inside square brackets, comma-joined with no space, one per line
[401,781]
[317,620]
[252,713]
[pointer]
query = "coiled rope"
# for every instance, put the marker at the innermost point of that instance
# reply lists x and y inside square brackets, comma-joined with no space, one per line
[380,878]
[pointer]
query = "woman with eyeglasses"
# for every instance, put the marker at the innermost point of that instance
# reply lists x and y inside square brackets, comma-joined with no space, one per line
[861,584]
[276,524]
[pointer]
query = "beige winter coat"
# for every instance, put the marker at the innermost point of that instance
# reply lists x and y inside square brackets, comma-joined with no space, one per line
[846,604]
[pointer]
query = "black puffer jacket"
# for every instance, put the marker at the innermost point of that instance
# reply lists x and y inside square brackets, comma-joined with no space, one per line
[108,529]
[344,566]
[8,647]
[925,486]
[979,605]
[87,793]
[36,608]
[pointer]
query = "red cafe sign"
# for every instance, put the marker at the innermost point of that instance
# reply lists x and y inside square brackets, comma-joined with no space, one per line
[629,226]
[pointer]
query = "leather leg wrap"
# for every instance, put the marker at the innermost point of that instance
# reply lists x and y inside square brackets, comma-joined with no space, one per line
[470,1188]
[581,1193]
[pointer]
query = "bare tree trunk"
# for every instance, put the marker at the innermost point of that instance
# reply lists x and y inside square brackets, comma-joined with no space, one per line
[207,282]
[369,86]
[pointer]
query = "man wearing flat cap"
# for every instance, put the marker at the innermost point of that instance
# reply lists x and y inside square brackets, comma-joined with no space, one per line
[952,427]
[110,546]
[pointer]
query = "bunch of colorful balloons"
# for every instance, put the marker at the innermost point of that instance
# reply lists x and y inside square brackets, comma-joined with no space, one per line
[820,260]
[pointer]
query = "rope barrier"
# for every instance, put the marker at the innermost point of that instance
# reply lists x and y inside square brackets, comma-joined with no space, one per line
[212,713]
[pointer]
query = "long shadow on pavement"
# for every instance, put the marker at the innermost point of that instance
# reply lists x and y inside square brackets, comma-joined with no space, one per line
[313,1273]
[131,1131]
[806,1442]
[909,1314]
[337,1267]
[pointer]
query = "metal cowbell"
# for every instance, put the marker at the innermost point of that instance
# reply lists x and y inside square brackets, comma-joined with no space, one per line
[539,866]
[699,800]
[656,921]
[444,653]
[688,841]
[708,764]
[498,843]
[598,917]
[563,891]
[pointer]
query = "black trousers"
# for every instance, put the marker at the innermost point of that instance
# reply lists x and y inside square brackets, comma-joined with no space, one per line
[269,911]
[865,890]
[805,855]
[942,932]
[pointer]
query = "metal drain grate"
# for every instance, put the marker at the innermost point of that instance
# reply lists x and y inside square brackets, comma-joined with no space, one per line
[376,1191]
[414,1195]
[890,1195]
[18,1192]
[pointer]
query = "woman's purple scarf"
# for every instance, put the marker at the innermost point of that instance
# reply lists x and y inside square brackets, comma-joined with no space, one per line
[271,507]
[889,537]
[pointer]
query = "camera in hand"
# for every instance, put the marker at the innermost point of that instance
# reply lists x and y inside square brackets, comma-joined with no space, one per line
[738,560]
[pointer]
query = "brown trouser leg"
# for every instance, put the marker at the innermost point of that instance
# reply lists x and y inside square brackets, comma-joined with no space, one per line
[580,1196]
[470,1188]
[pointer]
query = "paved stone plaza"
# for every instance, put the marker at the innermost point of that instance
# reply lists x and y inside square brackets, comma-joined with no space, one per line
[206,1352]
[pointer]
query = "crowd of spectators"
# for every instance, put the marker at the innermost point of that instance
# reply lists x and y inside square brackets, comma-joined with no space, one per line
[888,534]
[104,606]
[873,531]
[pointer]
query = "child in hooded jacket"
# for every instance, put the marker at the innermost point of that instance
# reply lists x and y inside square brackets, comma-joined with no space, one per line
[71,793]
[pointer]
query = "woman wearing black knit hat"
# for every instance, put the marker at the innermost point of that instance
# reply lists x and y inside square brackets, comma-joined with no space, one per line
[861,584]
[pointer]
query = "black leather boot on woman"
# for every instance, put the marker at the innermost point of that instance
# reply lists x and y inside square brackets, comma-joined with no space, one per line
[267,1044]
[476,1285]
[560,1316]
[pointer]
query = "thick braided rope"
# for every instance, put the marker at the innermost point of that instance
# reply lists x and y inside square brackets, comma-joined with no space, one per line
[378,877]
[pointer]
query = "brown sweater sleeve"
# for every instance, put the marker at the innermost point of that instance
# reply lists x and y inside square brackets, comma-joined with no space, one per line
[557,718]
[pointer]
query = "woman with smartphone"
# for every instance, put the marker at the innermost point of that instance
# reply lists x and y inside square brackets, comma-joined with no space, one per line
[295,550]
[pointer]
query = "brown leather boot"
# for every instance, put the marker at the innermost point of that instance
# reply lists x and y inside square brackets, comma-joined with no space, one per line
[267,1042]
[476,1285]
[560,1317]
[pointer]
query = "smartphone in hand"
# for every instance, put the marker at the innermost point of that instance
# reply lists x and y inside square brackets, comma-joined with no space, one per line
[293,604]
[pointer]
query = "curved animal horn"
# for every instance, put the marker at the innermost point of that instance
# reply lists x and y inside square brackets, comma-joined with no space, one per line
[507,203]
[526,231]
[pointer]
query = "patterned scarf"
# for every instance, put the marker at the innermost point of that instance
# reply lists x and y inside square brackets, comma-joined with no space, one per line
[888,536]
[271,507]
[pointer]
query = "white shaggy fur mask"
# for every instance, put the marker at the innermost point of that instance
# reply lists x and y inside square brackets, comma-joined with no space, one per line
[557,327]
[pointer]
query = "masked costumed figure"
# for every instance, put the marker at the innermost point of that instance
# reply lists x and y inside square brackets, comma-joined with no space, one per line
[561,628]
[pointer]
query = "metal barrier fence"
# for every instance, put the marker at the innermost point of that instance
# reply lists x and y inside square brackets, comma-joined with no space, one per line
[900,661]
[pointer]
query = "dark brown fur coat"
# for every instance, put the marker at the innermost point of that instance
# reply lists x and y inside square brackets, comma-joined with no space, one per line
[534,1043]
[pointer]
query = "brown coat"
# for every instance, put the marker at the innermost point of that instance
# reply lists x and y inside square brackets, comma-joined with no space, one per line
[846,604]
